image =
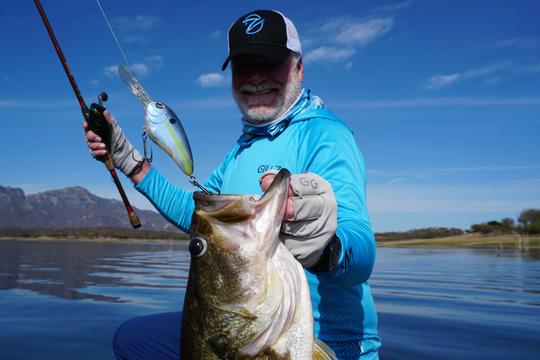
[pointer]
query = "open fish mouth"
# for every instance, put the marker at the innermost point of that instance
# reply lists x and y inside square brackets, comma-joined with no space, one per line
[281,180]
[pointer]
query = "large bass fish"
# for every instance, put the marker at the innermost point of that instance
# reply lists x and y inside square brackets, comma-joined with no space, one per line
[247,297]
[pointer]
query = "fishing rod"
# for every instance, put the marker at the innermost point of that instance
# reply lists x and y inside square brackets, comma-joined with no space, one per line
[93,116]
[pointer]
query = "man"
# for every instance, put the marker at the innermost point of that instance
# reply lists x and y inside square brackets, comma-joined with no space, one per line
[326,226]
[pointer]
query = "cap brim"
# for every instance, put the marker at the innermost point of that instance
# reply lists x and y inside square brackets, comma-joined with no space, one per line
[272,52]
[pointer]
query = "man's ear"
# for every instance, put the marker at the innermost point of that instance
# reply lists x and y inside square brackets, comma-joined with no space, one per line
[300,69]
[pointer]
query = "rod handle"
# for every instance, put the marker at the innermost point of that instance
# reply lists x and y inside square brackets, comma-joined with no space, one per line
[99,124]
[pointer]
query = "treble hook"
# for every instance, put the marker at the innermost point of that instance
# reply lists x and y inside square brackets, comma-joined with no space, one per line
[193,181]
[145,154]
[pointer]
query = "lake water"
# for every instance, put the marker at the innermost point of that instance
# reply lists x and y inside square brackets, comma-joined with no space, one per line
[64,300]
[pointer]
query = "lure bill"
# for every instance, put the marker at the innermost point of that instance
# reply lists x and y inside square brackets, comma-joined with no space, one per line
[161,123]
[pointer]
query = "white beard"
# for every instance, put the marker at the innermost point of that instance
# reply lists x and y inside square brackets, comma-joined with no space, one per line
[259,114]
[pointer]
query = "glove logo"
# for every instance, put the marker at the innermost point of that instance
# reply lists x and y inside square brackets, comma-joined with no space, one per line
[254,23]
[307,182]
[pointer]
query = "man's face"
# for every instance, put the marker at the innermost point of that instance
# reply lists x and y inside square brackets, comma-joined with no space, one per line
[264,89]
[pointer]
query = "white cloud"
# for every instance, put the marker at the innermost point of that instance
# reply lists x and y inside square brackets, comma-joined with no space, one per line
[529,69]
[35,104]
[436,102]
[439,81]
[519,42]
[140,69]
[215,35]
[136,23]
[338,39]
[395,180]
[149,64]
[154,61]
[493,80]
[362,33]
[212,80]
[135,39]
[331,54]
[111,70]
[225,102]
[394,7]
[488,69]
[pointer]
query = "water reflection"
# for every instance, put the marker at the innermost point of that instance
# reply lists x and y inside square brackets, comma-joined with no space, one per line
[77,270]
[432,303]
[457,303]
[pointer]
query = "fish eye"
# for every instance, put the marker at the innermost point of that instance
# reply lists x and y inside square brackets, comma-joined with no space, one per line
[197,247]
[172,121]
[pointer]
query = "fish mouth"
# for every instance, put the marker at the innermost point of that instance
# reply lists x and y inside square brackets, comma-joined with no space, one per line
[279,184]
[238,207]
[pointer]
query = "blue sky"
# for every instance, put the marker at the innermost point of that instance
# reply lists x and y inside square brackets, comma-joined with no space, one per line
[443,96]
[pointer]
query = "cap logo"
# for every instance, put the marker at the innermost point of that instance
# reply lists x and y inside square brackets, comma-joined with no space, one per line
[254,23]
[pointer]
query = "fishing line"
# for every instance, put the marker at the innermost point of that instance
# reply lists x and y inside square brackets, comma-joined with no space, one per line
[112,32]
[136,88]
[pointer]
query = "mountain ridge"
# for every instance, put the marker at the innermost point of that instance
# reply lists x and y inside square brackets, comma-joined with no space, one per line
[69,207]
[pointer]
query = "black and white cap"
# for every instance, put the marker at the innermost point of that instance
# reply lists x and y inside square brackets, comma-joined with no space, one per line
[263,32]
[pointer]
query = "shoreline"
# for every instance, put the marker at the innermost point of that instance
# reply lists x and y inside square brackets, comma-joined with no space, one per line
[100,239]
[506,241]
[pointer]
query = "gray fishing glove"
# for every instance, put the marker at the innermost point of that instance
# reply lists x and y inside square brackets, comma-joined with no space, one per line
[314,221]
[125,157]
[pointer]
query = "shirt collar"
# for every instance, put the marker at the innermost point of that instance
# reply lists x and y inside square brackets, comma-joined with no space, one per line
[252,132]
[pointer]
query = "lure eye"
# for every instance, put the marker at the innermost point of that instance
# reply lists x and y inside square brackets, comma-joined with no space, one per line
[172,121]
[197,247]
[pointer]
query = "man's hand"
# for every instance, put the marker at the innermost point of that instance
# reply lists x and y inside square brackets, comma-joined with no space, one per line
[310,220]
[124,155]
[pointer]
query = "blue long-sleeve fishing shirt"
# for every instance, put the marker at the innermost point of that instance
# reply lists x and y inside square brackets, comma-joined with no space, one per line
[309,138]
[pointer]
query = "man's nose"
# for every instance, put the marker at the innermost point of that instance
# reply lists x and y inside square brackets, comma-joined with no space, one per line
[256,74]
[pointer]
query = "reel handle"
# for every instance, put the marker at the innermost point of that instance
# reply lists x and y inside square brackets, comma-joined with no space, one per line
[99,125]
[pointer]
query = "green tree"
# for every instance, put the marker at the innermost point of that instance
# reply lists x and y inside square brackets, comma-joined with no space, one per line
[508,223]
[529,219]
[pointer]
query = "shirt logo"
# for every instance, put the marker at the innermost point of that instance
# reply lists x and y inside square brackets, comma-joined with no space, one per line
[254,23]
[265,167]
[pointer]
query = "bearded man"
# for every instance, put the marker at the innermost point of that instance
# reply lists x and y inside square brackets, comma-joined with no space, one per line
[326,225]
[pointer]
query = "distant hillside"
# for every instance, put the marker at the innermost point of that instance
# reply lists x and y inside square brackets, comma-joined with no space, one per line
[72,207]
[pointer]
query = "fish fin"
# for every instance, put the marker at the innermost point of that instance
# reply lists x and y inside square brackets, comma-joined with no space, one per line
[321,351]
